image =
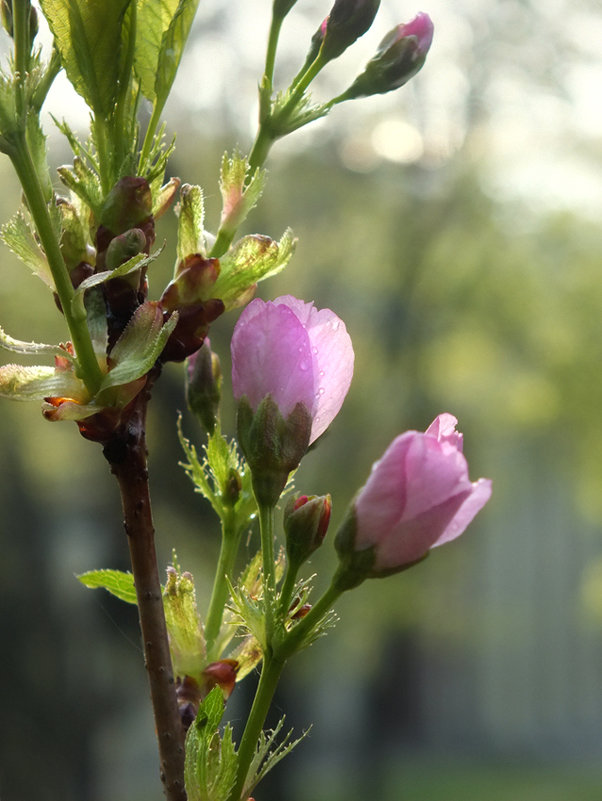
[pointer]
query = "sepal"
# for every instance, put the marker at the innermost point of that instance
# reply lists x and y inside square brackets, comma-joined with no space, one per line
[273,445]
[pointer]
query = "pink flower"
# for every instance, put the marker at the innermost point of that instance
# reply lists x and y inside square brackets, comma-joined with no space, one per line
[295,353]
[418,496]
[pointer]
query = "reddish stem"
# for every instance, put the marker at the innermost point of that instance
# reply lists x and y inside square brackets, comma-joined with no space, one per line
[126,453]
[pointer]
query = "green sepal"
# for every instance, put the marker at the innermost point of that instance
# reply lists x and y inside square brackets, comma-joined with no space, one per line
[186,640]
[286,118]
[211,761]
[191,215]
[250,260]
[273,445]
[268,753]
[17,234]
[212,477]
[117,582]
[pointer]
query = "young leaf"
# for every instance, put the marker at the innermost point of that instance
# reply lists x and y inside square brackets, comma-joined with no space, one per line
[186,641]
[118,583]
[268,754]
[18,236]
[238,199]
[253,258]
[190,222]
[17,346]
[36,383]
[88,37]
[139,346]
[172,46]
[211,762]
[154,18]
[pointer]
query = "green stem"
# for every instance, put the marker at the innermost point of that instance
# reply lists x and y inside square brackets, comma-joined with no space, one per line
[261,147]
[270,673]
[297,634]
[220,592]
[266,528]
[89,369]
[21,10]
[102,142]
[286,592]
[305,80]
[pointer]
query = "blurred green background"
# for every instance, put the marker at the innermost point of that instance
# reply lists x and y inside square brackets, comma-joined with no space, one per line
[454,226]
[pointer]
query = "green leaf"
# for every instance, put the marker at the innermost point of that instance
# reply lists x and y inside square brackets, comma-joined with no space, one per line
[88,36]
[36,383]
[18,235]
[172,46]
[238,199]
[186,641]
[139,346]
[211,761]
[190,222]
[154,19]
[118,583]
[83,181]
[18,346]
[268,754]
[253,258]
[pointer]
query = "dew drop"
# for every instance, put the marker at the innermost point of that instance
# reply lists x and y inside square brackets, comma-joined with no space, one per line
[321,373]
[303,365]
[320,392]
[314,351]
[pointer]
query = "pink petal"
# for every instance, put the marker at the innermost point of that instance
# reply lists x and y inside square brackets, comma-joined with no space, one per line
[271,354]
[475,501]
[443,428]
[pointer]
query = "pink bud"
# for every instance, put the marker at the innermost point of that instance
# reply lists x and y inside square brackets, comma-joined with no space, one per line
[418,496]
[295,353]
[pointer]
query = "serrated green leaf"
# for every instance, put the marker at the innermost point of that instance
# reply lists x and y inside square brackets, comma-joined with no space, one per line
[211,761]
[190,222]
[18,236]
[139,346]
[38,382]
[96,314]
[268,754]
[172,46]
[18,346]
[118,583]
[88,36]
[239,193]
[252,259]
[154,18]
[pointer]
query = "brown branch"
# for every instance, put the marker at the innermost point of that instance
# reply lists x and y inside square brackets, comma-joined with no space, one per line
[126,453]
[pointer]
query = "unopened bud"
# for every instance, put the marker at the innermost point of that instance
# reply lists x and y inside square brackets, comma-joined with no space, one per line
[347,21]
[221,674]
[399,57]
[124,247]
[204,385]
[232,488]
[306,522]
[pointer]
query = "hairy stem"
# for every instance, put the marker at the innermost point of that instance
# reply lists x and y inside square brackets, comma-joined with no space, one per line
[38,208]
[127,456]
[220,592]
[270,673]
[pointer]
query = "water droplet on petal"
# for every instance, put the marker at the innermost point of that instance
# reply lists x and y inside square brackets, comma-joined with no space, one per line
[321,373]
[314,351]
[303,365]
[320,392]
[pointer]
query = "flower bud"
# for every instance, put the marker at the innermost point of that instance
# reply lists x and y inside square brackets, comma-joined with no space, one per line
[399,57]
[221,674]
[418,496]
[204,385]
[123,247]
[305,524]
[347,21]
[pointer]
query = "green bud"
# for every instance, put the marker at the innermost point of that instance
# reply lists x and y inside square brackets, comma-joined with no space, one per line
[124,247]
[305,524]
[204,385]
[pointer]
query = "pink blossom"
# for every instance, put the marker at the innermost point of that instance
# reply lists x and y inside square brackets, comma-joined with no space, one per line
[296,353]
[417,496]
